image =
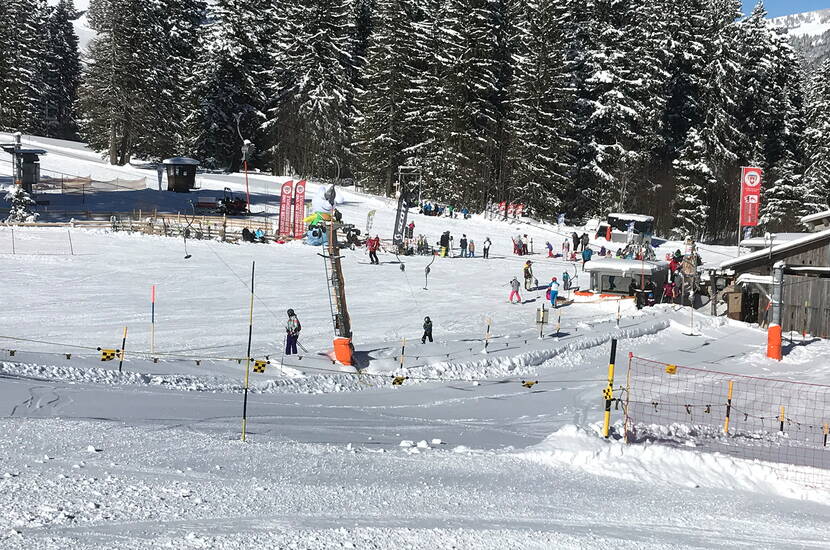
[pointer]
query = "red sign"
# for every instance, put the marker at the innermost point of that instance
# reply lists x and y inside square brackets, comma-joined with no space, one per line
[299,209]
[285,208]
[751,179]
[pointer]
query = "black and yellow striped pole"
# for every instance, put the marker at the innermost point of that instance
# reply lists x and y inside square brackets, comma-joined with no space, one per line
[728,408]
[248,356]
[608,393]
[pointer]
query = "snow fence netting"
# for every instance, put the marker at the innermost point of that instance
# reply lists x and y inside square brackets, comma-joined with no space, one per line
[778,421]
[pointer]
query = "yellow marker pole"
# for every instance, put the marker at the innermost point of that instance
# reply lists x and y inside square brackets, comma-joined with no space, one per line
[781,419]
[248,356]
[728,408]
[123,350]
[609,390]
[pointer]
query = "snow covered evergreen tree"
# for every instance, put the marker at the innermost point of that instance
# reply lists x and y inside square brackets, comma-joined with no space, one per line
[817,139]
[311,88]
[22,45]
[459,160]
[384,128]
[231,79]
[20,206]
[694,179]
[62,73]
[539,120]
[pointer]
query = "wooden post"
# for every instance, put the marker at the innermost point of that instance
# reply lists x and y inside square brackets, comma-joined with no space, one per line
[728,408]
[403,351]
[487,334]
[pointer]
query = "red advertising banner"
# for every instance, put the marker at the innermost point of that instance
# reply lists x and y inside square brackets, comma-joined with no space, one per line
[751,179]
[299,209]
[285,208]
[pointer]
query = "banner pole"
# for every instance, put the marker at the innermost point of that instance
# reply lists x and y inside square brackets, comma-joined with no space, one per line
[248,356]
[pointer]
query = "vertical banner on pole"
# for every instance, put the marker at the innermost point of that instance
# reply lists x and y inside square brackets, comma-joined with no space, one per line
[285,208]
[400,218]
[751,178]
[299,209]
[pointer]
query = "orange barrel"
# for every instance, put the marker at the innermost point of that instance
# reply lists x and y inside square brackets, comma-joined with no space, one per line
[774,342]
[343,351]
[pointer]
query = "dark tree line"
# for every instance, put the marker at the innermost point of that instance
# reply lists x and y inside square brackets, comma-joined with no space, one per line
[574,106]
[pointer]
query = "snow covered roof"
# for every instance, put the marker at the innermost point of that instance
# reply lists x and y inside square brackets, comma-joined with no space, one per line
[777,251]
[760,242]
[625,267]
[632,217]
[186,161]
[817,220]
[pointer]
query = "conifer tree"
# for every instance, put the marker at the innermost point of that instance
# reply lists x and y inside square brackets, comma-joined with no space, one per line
[62,76]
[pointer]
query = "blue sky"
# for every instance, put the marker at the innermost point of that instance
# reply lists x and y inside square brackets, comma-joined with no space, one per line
[786,7]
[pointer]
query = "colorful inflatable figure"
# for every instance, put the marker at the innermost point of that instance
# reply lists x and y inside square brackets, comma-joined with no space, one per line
[316,236]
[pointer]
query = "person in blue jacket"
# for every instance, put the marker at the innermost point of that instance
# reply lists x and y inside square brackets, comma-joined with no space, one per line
[586,256]
[553,292]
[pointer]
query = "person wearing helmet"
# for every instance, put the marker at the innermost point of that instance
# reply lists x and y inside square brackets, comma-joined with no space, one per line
[292,333]
[553,292]
[427,331]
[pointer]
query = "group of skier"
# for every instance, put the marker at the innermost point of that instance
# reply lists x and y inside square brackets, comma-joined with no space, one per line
[531,283]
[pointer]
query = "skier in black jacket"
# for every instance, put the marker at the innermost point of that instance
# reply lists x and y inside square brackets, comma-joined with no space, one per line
[427,331]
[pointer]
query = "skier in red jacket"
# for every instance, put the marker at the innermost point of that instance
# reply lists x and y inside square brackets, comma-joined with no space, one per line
[373,245]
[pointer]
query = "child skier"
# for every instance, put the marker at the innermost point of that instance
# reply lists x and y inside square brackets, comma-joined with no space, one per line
[427,331]
[471,248]
[550,249]
[514,290]
[553,292]
[373,245]
[292,330]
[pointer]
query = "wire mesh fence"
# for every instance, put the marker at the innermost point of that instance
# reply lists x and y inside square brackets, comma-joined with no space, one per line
[781,422]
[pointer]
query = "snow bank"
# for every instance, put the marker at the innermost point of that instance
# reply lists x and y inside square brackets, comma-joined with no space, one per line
[584,449]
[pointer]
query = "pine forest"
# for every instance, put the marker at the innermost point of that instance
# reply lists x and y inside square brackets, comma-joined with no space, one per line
[581,107]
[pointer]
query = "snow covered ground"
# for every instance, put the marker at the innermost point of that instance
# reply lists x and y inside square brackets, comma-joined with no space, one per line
[461,455]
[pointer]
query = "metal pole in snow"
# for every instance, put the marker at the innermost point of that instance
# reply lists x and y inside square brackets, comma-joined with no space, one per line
[248,356]
[153,320]
[123,350]
[71,249]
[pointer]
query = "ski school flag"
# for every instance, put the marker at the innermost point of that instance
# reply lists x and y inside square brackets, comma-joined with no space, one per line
[285,208]
[751,178]
[299,209]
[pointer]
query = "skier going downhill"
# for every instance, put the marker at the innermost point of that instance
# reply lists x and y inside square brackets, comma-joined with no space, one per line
[427,331]
[292,330]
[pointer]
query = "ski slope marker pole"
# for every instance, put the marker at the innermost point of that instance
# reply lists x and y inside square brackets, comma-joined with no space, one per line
[13,252]
[71,249]
[728,408]
[152,320]
[487,334]
[609,390]
[123,350]
[403,350]
[248,356]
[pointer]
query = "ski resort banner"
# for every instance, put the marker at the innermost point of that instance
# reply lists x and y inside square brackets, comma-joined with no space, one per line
[285,207]
[400,218]
[751,178]
[299,209]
